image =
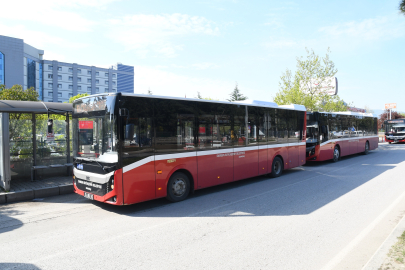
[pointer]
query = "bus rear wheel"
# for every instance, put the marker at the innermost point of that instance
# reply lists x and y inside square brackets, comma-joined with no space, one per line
[178,187]
[277,167]
[336,154]
[366,148]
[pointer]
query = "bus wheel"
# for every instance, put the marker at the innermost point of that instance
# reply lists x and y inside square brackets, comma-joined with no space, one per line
[277,167]
[389,142]
[178,187]
[336,154]
[367,148]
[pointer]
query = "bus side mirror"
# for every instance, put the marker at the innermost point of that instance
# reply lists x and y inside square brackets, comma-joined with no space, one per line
[129,131]
[323,129]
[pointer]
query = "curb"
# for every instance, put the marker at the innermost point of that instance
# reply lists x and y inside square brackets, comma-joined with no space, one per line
[379,256]
[27,195]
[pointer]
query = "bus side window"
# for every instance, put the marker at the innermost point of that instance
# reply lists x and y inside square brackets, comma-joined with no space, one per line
[174,127]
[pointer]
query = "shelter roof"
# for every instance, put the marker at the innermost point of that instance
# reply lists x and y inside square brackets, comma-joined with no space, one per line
[14,106]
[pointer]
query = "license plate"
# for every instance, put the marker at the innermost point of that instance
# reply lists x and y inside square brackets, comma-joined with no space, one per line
[89,196]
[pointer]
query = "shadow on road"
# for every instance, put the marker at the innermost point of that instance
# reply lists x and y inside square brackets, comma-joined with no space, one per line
[8,223]
[7,266]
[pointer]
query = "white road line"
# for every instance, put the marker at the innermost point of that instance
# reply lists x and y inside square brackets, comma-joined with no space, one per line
[378,249]
[340,256]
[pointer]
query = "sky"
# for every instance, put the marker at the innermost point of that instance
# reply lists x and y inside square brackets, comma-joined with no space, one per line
[179,48]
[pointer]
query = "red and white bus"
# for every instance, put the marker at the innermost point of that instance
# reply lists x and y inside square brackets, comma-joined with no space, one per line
[131,148]
[394,130]
[337,134]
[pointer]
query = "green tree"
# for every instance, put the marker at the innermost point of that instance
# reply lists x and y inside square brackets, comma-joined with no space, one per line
[236,95]
[304,87]
[16,92]
[77,96]
[402,7]
[20,123]
[199,95]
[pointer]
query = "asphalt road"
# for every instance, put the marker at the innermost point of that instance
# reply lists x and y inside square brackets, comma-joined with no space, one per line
[319,216]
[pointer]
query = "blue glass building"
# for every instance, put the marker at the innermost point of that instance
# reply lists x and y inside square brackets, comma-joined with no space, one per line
[1,68]
[125,82]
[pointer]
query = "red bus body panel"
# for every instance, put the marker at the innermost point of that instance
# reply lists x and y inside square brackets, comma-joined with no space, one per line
[348,146]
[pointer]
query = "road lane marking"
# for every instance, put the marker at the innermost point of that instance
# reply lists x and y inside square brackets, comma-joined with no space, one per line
[343,253]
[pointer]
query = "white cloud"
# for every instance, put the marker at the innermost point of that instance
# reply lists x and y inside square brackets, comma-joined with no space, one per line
[59,13]
[280,44]
[367,30]
[166,83]
[201,66]
[154,33]
[38,39]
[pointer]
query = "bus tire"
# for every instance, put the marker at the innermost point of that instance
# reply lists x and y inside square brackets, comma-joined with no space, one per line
[336,154]
[178,187]
[277,167]
[366,148]
[389,142]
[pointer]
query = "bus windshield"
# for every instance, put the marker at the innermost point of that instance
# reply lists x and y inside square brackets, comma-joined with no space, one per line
[94,123]
[312,131]
[395,128]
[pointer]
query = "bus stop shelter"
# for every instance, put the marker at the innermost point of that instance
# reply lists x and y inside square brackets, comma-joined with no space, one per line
[24,145]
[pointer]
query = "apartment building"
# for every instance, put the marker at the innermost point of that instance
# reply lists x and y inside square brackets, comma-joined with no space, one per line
[56,81]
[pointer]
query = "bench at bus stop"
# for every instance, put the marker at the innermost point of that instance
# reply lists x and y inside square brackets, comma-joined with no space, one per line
[41,167]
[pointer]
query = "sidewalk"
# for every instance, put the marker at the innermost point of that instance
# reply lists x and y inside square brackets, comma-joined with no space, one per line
[22,190]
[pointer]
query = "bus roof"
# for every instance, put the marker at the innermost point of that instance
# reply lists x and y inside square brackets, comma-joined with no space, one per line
[242,102]
[351,113]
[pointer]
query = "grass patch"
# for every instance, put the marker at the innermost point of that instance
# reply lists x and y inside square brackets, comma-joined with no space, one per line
[396,256]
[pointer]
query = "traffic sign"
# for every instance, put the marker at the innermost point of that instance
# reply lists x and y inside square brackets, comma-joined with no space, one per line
[390,105]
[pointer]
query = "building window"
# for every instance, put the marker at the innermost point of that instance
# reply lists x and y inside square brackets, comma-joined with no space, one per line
[59,68]
[59,77]
[50,94]
[106,82]
[50,85]
[114,75]
[70,86]
[97,73]
[59,85]
[79,79]
[50,76]
[106,90]
[70,69]
[70,95]
[106,74]
[97,89]
[88,88]
[114,82]
[79,71]
[88,72]
[59,94]
[31,73]
[97,81]
[59,101]
[79,87]
[50,67]
[70,78]
[88,80]
[114,90]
